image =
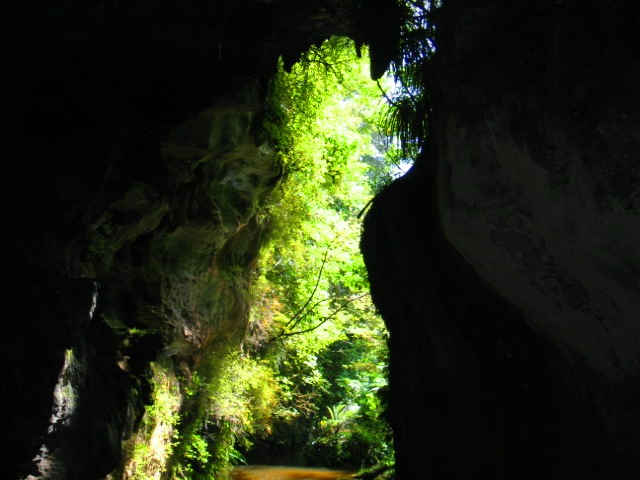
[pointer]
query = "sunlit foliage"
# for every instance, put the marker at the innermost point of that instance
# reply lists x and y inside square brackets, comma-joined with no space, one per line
[151,447]
[405,121]
[231,399]
[313,318]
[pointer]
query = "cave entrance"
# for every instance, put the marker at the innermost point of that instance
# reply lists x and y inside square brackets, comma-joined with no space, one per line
[303,384]
[313,324]
[307,386]
[148,181]
[340,138]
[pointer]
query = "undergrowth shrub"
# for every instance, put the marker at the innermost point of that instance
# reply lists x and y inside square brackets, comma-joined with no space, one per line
[231,397]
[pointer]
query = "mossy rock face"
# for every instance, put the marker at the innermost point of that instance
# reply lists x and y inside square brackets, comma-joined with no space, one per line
[172,256]
[189,249]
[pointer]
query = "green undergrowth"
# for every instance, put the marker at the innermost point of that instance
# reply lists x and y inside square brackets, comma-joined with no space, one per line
[195,427]
[312,320]
[149,450]
[229,398]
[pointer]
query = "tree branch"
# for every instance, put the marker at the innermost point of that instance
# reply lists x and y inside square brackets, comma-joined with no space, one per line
[324,320]
[299,312]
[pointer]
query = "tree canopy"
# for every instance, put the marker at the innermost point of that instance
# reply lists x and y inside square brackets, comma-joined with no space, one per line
[315,322]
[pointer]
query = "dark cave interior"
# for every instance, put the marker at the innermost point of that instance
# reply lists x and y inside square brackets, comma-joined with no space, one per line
[505,263]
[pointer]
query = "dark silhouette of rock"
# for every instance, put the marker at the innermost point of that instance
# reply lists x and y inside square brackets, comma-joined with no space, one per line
[505,263]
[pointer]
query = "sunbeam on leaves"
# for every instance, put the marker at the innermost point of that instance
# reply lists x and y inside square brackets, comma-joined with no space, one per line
[313,319]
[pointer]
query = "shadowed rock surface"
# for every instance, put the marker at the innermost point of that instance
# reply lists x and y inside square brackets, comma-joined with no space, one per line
[505,263]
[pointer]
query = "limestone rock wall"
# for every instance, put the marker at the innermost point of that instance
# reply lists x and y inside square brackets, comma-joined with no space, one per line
[539,185]
[520,298]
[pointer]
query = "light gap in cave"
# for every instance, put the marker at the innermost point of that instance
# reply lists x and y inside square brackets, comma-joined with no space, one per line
[313,322]
[304,383]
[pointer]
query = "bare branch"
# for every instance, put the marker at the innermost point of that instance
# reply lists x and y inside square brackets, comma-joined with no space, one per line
[324,320]
[299,312]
